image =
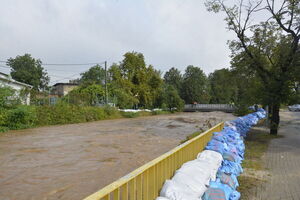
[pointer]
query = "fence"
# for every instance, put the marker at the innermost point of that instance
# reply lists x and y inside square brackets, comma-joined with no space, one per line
[145,182]
[209,107]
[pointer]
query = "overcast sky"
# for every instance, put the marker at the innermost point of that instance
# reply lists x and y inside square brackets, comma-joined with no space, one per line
[170,33]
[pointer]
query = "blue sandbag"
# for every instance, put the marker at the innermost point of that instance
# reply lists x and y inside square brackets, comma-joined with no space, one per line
[229,142]
[229,167]
[229,179]
[216,145]
[227,190]
[235,195]
[214,194]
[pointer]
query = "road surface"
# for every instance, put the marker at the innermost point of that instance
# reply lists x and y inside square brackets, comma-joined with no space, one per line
[283,161]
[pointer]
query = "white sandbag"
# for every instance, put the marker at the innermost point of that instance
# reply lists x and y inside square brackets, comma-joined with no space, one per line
[162,198]
[197,170]
[197,185]
[209,167]
[191,180]
[176,191]
[210,156]
[214,161]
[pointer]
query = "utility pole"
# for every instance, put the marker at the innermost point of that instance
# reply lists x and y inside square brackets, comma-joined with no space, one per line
[106,94]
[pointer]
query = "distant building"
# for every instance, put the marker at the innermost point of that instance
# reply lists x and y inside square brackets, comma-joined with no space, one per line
[6,80]
[62,89]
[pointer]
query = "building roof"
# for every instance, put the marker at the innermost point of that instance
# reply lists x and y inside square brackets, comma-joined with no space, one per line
[74,84]
[4,74]
[9,79]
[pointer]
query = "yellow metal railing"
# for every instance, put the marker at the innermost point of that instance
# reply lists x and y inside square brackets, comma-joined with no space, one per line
[145,182]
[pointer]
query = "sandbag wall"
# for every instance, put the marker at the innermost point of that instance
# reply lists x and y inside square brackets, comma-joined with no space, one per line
[213,174]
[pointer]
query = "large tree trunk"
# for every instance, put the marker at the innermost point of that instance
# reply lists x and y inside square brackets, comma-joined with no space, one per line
[274,119]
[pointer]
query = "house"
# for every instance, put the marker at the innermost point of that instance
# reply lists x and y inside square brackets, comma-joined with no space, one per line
[62,89]
[6,80]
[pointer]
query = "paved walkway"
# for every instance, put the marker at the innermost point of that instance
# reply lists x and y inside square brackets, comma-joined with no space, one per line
[283,162]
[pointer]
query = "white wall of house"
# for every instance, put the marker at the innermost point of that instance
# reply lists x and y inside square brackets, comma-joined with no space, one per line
[5,80]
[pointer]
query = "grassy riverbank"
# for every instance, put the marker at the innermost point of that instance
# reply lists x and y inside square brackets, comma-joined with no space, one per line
[21,117]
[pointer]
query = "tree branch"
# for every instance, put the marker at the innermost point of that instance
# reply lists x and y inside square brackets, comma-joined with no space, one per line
[277,15]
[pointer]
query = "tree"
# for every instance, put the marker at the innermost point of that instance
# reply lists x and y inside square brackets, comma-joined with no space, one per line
[195,85]
[86,95]
[173,77]
[29,70]
[95,75]
[155,83]
[120,88]
[223,86]
[135,82]
[171,98]
[269,48]
[249,89]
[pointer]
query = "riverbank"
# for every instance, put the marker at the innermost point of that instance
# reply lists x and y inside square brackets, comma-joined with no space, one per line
[22,117]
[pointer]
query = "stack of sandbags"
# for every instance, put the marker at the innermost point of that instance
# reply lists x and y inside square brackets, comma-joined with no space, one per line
[230,144]
[213,175]
[192,179]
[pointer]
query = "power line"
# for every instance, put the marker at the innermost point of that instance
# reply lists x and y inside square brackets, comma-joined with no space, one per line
[4,66]
[68,77]
[59,70]
[66,64]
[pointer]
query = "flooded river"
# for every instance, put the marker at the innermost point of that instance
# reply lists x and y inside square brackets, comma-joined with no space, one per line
[72,161]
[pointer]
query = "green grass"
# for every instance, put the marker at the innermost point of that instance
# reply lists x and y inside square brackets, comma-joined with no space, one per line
[247,183]
[143,113]
[257,142]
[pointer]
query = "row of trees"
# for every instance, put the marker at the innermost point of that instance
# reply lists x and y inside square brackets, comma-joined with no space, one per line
[133,84]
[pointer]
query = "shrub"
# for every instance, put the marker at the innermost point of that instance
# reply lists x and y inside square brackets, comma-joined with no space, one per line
[3,129]
[21,117]
[112,112]
[130,114]
[8,97]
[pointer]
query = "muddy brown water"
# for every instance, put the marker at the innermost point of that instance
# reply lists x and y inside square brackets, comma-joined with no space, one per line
[73,161]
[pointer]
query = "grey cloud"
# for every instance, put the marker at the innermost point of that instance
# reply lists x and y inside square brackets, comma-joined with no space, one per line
[170,33]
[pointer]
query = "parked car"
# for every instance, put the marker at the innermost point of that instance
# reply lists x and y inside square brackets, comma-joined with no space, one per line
[294,108]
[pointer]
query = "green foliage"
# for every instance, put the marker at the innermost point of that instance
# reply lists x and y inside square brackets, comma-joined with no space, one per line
[268,49]
[133,84]
[29,70]
[171,98]
[223,87]
[95,75]
[63,113]
[21,117]
[130,114]
[86,95]
[8,97]
[173,77]
[195,86]
[160,112]
[3,117]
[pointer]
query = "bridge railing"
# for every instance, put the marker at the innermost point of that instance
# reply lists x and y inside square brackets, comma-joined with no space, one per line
[145,182]
[210,107]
